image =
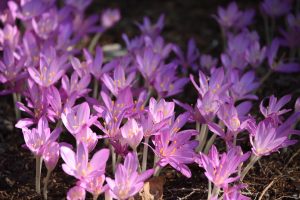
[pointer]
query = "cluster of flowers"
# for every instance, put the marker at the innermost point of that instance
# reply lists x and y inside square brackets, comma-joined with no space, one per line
[43,66]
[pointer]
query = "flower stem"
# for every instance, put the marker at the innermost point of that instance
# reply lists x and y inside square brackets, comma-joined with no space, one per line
[202,137]
[95,197]
[94,42]
[253,160]
[16,98]
[113,158]
[38,169]
[145,154]
[95,88]
[265,77]
[157,170]
[209,190]
[215,191]
[45,191]
[210,143]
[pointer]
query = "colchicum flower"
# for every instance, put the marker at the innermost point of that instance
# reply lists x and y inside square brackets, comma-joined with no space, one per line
[220,168]
[128,181]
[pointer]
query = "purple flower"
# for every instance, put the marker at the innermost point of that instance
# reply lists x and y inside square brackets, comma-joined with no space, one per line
[228,17]
[176,148]
[158,45]
[46,25]
[245,19]
[152,30]
[255,55]
[275,107]
[215,84]
[233,193]
[113,113]
[77,165]
[37,139]
[132,133]
[87,137]
[77,118]
[10,67]
[220,168]
[147,64]
[119,81]
[76,193]
[192,55]
[80,5]
[207,62]
[166,83]
[280,65]
[94,185]
[242,87]
[267,137]
[127,180]
[276,8]
[9,36]
[51,155]
[160,110]
[109,17]
[33,8]
[75,86]
[36,104]
[51,68]
[95,65]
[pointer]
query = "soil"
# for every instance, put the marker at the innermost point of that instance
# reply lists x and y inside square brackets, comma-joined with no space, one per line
[184,19]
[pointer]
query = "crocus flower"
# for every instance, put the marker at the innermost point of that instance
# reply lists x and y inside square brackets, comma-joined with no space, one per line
[127,180]
[76,193]
[88,137]
[245,19]
[160,110]
[267,137]
[243,86]
[275,107]
[280,64]
[10,67]
[37,139]
[215,84]
[176,148]
[147,63]
[9,36]
[255,55]
[220,168]
[132,133]
[94,185]
[167,83]
[152,30]
[275,8]
[51,69]
[192,55]
[229,16]
[80,5]
[77,165]
[75,86]
[113,113]
[36,104]
[207,62]
[233,193]
[109,17]
[158,45]
[51,155]
[46,25]
[77,117]
[119,81]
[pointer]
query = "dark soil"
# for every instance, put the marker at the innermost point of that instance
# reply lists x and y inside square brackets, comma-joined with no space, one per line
[184,19]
